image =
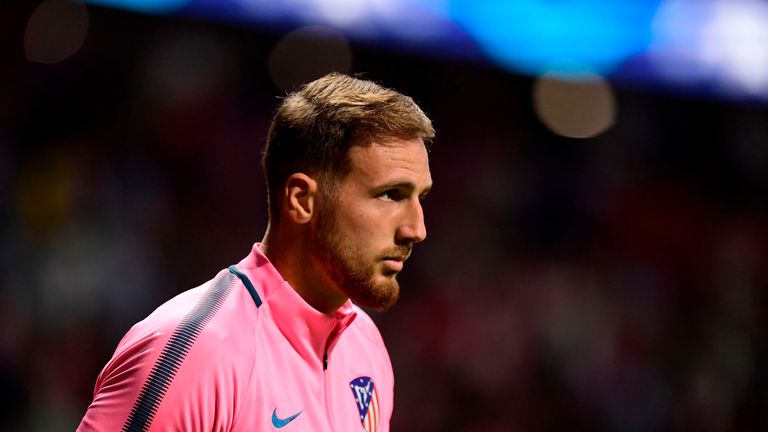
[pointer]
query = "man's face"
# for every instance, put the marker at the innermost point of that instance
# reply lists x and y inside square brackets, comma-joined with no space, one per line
[367,230]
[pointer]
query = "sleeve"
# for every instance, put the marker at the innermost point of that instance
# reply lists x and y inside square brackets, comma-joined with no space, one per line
[177,370]
[120,383]
[158,383]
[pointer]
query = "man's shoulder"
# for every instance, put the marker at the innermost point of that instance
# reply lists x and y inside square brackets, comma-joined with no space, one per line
[197,314]
[193,348]
[209,318]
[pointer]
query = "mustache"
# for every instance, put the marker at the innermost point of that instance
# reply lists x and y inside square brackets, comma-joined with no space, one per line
[400,253]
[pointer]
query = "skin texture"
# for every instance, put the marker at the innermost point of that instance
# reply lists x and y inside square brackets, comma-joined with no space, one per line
[350,239]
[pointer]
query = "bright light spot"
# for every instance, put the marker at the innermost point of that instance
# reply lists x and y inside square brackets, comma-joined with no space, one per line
[676,44]
[364,19]
[736,42]
[574,106]
[55,31]
[307,54]
[412,20]
[724,42]
[343,13]
[527,35]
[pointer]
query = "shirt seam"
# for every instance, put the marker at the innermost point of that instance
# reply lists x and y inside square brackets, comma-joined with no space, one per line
[250,374]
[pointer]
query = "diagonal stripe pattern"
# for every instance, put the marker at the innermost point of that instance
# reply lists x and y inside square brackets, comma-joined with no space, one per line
[175,351]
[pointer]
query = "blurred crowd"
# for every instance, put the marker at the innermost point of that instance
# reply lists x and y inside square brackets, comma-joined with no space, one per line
[616,283]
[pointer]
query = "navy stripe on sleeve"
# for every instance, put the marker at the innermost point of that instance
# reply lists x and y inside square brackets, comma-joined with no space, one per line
[175,351]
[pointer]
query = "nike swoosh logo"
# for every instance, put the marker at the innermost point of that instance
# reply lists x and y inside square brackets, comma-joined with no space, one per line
[280,423]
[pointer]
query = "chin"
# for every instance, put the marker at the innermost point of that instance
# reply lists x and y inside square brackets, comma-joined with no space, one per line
[380,293]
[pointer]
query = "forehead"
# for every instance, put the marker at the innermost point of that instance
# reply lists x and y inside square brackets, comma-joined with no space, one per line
[391,159]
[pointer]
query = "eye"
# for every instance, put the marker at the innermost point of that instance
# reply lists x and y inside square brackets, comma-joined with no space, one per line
[391,195]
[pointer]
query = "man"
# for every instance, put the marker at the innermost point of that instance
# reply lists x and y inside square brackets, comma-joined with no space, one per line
[274,342]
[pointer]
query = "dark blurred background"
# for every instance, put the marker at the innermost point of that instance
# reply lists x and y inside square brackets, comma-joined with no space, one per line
[598,239]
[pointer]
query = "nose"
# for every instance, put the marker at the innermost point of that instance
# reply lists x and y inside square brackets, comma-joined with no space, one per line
[412,229]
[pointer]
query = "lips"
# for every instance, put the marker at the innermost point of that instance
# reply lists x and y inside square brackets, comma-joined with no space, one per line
[394,258]
[393,264]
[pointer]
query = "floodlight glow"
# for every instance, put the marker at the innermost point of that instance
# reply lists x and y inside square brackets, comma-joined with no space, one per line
[676,41]
[735,41]
[722,44]
[529,35]
[710,46]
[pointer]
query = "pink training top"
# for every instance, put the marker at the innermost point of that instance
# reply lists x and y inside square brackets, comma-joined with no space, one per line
[244,352]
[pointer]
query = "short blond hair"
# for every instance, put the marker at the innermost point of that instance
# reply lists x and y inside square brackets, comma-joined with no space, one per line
[315,127]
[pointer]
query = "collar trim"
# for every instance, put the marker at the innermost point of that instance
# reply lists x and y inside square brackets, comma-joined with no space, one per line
[248,285]
[312,333]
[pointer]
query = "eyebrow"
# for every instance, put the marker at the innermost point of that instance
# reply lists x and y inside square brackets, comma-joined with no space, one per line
[404,184]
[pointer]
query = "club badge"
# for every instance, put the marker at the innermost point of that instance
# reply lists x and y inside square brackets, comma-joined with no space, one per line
[367,401]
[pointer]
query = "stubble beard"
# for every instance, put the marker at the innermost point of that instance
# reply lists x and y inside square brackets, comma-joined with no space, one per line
[346,266]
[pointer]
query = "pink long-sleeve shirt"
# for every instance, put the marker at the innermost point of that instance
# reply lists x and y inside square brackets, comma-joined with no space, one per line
[244,352]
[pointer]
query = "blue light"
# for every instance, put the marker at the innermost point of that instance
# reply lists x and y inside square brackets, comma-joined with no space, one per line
[147,6]
[530,36]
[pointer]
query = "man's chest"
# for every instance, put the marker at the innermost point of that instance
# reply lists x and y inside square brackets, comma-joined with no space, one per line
[288,392]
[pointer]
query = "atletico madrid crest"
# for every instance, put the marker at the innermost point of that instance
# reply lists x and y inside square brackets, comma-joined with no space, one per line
[367,401]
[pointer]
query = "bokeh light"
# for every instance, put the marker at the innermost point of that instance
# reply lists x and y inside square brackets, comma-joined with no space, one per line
[309,53]
[55,31]
[574,106]
[185,67]
[719,45]
[528,35]
[735,41]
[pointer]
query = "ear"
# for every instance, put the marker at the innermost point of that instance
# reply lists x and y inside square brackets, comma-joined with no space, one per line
[300,194]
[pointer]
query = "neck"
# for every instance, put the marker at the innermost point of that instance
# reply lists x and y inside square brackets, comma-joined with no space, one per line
[288,252]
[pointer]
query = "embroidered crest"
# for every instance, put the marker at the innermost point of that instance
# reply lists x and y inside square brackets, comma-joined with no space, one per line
[367,401]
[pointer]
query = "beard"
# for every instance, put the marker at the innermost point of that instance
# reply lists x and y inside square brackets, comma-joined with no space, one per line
[349,269]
